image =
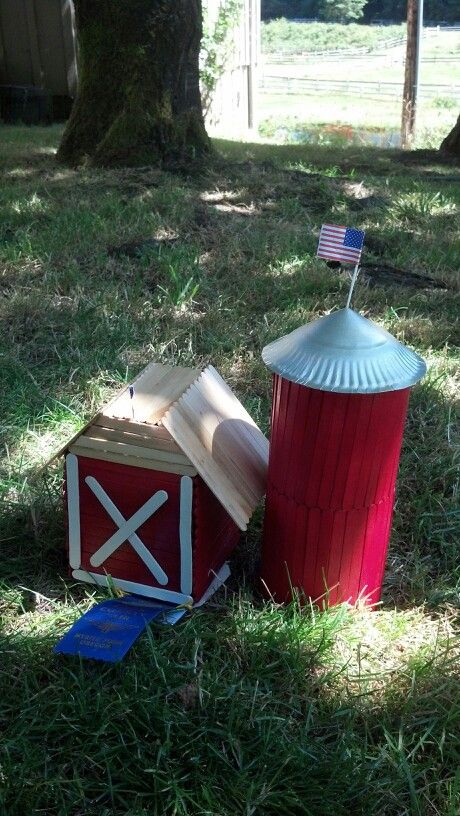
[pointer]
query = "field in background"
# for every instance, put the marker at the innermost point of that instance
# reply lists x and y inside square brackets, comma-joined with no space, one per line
[245,708]
[284,36]
[353,89]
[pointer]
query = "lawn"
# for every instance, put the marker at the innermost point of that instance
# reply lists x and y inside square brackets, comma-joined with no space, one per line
[284,113]
[333,118]
[245,708]
[285,36]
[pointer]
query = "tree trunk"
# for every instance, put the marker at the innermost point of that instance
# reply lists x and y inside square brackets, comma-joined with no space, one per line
[138,99]
[451,143]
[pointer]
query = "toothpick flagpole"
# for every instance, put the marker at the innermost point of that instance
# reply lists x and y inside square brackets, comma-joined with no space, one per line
[131,394]
[352,284]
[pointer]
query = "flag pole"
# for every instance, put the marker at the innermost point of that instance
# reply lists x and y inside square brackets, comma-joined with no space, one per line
[352,284]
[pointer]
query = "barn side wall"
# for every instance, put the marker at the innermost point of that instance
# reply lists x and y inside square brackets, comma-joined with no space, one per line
[234,110]
[37,45]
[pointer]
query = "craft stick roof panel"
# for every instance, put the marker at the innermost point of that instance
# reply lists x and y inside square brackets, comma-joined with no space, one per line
[166,382]
[156,388]
[185,420]
[222,440]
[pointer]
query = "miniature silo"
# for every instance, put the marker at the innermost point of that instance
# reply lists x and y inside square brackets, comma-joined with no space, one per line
[340,392]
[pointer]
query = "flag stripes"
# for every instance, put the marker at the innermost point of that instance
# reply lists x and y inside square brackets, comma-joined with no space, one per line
[342,244]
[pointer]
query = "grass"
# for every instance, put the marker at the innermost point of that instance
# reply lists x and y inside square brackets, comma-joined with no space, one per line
[370,69]
[245,707]
[284,36]
[342,121]
[286,116]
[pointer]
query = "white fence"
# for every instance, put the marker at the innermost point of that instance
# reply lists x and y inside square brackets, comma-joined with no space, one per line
[301,85]
[338,53]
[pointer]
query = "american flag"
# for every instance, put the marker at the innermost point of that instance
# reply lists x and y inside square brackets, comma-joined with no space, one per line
[343,244]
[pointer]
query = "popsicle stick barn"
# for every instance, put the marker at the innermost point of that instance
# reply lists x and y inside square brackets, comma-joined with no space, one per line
[160,483]
[162,480]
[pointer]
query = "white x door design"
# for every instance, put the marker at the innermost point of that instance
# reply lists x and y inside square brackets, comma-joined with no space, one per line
[127,532]
[127,529]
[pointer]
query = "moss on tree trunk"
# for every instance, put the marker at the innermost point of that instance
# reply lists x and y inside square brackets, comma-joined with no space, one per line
[451,143]
[138,98]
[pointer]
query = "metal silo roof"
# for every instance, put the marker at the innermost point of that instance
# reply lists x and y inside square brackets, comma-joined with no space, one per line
[346,353]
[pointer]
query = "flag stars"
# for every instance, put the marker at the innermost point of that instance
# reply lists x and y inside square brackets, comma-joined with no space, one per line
[353,238]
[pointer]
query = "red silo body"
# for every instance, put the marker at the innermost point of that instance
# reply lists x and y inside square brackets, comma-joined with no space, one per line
[333,461]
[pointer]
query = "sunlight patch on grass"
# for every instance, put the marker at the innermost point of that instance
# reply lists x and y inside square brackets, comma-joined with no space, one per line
[245,707]
[34,204]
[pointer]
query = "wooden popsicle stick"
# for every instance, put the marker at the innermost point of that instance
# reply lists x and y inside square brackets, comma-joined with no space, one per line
[177,423]
[133,450]
[129,425]
[153,392]
[132,586]
[127,438]
[131,461]
[127,529]
[227,453]
[210,408]
[226,404]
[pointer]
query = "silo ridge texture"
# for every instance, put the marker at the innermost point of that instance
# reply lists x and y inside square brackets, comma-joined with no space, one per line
[340,393]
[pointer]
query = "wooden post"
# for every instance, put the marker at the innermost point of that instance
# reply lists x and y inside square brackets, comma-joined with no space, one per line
[411,74]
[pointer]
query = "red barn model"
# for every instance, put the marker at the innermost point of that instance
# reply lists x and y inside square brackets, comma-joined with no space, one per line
[340,392]
[160,483]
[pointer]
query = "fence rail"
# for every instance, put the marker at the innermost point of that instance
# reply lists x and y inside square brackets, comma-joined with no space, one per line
[301,85]
[280,56]
[298,59]
[376,50]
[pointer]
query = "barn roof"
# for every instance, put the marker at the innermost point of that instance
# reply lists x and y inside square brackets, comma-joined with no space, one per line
[210,430]
[222,440]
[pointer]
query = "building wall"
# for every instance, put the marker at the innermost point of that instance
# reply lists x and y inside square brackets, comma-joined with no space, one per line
[37,45]
[233,109]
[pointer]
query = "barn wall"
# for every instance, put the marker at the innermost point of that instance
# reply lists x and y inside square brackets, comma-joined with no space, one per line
[37,45]
[233,110]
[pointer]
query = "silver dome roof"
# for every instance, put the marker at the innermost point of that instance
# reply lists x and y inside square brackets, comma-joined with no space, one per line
[344,352]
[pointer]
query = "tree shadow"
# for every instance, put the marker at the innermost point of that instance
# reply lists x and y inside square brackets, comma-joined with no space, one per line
[78,319]
[271,714]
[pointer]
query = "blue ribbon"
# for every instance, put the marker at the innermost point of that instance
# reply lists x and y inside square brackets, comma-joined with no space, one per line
[109,629]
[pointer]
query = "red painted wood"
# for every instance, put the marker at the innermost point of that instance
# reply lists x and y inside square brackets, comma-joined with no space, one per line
[381,566]
[301,432]
[311,550]
[133,569]
[350,573]
[126,554]
[375,550]
[354,475]
[311,423]
[322,581]
[162,536]
[299,536]
[129,488]
[215,536]
[289,436]
[334,565]
[332,453]
[332,470]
